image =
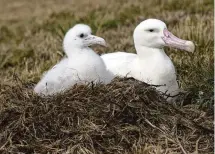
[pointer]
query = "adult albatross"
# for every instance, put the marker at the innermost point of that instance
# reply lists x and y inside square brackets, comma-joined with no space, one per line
[150,64]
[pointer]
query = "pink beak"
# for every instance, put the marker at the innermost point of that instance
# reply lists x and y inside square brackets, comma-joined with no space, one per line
[173,41]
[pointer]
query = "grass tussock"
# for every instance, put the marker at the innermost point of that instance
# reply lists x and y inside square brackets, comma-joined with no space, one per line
[124,117]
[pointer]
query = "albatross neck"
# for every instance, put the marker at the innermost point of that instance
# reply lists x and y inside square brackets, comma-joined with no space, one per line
[74,51]
[144,52]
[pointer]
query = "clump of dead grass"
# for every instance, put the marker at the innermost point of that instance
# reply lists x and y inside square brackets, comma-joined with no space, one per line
[122,117]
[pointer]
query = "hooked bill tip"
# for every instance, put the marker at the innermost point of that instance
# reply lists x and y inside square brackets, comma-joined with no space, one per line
[190,46]
[103,43]
[106,45]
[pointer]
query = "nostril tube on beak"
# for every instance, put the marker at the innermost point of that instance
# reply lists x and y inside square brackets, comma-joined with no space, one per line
[166,32]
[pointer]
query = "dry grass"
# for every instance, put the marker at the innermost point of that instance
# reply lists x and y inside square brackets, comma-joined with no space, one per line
[132,118]
[123,117]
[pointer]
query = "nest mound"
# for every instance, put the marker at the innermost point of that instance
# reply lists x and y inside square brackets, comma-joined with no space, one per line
[125,116]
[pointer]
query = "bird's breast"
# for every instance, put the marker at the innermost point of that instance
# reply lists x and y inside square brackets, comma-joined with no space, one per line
[159,71]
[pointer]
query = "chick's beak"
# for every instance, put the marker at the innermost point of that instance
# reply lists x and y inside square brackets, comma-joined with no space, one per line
[92,40]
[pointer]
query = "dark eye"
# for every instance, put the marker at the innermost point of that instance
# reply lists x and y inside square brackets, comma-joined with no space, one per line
[81,35]
[151,30]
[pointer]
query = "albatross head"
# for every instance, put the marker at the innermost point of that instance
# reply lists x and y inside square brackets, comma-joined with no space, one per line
[153,33]
[80,37]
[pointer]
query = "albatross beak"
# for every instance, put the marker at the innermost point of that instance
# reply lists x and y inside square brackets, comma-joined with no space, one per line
[173,41]
[91,40]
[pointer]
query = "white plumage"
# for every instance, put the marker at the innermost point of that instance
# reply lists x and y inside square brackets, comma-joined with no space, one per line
[150,64]
[81,66]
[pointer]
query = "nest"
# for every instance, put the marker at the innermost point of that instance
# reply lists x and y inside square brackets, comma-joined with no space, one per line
[125,116]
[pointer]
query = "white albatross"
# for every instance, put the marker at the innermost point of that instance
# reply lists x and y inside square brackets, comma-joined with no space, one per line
[150,64]
[81,66]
